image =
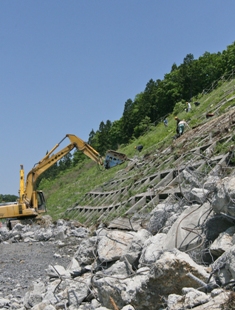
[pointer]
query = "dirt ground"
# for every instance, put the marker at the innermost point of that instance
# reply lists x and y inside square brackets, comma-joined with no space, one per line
[21,263]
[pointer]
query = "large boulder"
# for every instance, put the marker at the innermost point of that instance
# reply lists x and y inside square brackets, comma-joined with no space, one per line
[184,233]
[152,250]
[114,244]
[136,246]
[224,242]
[86,252]
[224,267]
[162,216]
[223,200]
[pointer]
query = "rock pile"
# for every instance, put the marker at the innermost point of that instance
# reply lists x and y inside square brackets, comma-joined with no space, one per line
[183,257]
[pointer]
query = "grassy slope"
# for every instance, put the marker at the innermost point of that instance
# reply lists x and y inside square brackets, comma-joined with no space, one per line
[69,187]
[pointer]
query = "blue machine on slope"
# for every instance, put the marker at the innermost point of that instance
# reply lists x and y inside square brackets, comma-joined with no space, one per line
[113,159]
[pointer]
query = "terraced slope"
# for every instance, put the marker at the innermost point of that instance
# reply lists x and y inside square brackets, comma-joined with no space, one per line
[164,171]
[164,174]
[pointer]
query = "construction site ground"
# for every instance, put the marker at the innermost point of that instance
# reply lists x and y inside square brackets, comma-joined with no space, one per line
[21,263]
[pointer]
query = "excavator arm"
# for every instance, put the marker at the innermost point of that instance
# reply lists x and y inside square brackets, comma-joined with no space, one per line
[86,149]
[26,195]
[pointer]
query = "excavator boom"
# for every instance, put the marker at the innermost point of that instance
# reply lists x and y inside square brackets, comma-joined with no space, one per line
[50,159]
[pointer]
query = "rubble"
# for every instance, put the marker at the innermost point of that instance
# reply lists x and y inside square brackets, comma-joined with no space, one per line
[183,258]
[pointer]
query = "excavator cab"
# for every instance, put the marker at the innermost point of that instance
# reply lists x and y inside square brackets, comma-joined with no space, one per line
[41,202]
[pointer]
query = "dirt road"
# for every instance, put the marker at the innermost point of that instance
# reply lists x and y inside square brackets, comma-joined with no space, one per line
[21,263]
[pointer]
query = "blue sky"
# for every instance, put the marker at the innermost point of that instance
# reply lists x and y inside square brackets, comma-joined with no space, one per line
[65,66]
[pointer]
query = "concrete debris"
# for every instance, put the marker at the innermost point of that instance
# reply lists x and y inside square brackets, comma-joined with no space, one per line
[184,258]
[224,199]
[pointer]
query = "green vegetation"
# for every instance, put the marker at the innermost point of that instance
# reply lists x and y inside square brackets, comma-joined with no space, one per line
[190,81]
[8,198]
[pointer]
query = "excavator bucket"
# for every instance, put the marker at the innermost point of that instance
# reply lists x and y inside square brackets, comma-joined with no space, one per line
[113,158]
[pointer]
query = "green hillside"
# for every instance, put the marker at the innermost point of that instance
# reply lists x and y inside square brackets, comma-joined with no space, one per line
[69,188]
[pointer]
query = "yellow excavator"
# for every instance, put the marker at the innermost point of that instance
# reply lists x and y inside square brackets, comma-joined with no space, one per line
[31,202]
